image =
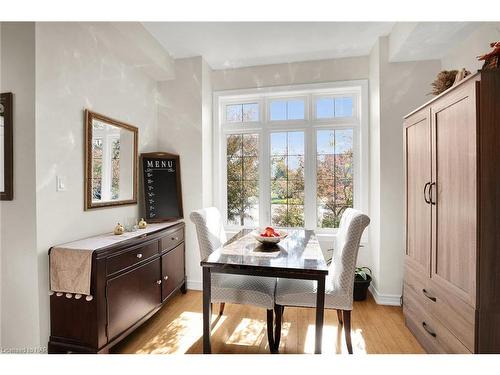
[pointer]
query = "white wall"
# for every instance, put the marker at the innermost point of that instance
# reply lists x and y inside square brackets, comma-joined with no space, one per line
[402,87]
[292,73]
[19,284]
[464,55]
[185,129]
[76,71]
[374,152]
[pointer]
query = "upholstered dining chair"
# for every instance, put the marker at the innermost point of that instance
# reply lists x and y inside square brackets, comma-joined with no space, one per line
[339,283]
[239,289]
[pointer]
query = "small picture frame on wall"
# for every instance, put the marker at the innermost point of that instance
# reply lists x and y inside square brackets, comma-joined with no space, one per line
[6,148]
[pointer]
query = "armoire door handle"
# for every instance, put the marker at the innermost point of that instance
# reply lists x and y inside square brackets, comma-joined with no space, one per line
[426,293]
[433,334]
[430,193]
[425,192]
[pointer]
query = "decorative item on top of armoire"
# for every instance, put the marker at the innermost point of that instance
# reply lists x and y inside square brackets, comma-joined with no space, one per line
[491,59]
[362,280]
[451,288]
[443,81]
[462,73]
[161,174]
[6,148]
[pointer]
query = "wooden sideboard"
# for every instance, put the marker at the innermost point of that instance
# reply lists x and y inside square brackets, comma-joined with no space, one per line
[130,282]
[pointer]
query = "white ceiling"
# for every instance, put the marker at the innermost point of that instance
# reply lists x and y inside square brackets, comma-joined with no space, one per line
[236,44]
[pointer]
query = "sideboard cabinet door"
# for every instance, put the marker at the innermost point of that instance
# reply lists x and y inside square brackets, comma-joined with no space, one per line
[131,296]
[172,265]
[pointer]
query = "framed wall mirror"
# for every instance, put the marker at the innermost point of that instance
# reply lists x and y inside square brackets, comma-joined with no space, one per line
[110,162]
[6,148]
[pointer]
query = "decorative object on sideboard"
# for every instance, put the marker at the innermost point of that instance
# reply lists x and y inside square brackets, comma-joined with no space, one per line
[443,81]
[111,152]
[142,224]
[119,229]
[462,73]
[6,148]
[362,280]
[491,59]
[161,174]
[131,224]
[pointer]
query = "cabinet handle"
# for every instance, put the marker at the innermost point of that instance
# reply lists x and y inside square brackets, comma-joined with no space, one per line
[426,293]
[158,282]
[166,278]
[425,192]
[431,190]
[139,255]
[175,238]
[433,334]
[143,236]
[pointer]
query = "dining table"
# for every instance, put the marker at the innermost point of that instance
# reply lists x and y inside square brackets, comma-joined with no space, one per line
[297,256]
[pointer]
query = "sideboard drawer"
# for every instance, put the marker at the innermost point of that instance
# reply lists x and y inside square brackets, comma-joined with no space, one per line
[131,256]
[171,240]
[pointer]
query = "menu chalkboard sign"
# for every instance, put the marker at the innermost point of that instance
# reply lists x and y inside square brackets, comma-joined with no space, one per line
[161,175]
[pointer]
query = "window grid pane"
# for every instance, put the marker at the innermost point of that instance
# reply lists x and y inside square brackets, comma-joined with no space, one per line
[334,175]
[248,112]
[330,107]
[242,179]
[287,179]
[290,109]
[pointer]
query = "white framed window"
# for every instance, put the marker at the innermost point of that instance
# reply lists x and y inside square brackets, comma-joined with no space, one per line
[298,160]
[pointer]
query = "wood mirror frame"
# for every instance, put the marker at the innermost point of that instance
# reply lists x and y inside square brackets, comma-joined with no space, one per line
[89,117]
[8,160]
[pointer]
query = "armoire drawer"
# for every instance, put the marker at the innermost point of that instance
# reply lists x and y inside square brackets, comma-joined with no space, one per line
[414,301]
[454,313]
[415,280]
[432,335]
[130,257]
[171,240]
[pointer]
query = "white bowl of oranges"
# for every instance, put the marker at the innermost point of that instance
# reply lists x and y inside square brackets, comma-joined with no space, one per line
[269,235]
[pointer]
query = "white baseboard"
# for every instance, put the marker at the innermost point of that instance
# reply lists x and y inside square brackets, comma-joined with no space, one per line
[385,299]
[194,285]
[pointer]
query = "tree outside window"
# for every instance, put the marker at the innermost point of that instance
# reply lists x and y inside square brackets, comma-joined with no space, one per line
[334,175]
[242,179]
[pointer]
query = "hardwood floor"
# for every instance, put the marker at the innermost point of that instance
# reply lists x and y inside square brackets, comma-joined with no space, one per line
[177,328]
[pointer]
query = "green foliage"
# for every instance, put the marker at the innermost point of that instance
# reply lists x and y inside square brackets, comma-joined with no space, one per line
[363,272]
[242,177]
[334,187]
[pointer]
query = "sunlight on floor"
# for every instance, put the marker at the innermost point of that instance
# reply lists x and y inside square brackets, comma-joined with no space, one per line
[334,340]
[179,335]
[285,329]
[249,332]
